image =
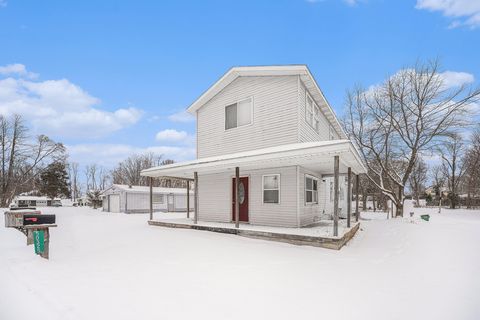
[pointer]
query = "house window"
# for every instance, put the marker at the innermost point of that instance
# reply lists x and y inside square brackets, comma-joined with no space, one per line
[311,189]
[238,114]
[271,188]
[157,198]
[312,113]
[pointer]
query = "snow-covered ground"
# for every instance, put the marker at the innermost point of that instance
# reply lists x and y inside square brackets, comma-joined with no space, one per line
[115,266]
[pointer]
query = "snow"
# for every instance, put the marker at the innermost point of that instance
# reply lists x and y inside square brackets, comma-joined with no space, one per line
[323,229]
[115,266]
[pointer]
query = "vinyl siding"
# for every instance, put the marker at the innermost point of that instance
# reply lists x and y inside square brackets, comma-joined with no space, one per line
[139,202]
[215,198]
[275,101]
[310,213]
[342,202]
[306,132]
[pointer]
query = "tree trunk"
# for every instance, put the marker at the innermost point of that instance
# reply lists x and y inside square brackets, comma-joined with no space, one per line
[373,201]
[399,212]
[417,197]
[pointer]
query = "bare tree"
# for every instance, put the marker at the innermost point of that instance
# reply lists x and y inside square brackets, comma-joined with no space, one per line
[23,158]
[453,167]
[471,181]
[418,178]
[406,115]
[103,178]
[438,179]
[75,185]
[128,171]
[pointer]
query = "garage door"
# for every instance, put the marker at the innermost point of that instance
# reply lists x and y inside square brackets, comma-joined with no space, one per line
[114,202]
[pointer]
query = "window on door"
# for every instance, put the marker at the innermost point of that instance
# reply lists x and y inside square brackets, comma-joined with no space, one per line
[271,188]
[311,190]
[238,114]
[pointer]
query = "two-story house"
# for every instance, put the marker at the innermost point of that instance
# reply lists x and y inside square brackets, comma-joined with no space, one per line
[271,127]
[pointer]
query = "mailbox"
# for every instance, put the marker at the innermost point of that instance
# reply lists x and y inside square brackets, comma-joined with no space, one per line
[31,219]
[14,219]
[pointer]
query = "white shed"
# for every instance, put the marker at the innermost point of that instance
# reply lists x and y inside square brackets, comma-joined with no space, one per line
[135,199]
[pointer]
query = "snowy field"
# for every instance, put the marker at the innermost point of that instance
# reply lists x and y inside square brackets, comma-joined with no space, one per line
[115,266]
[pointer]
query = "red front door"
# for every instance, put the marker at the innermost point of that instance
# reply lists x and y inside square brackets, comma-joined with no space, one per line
[243,199]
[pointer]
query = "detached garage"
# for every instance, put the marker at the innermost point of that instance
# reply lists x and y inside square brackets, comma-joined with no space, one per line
[136,199]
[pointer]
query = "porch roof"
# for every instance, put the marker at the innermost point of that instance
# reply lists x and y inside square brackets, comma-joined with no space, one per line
[316,156]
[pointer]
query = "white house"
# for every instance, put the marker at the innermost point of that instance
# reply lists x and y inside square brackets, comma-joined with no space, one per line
[136,199]
[33,201]
[273,129]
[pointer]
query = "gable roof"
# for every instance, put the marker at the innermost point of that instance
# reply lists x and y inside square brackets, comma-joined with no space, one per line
[262,71]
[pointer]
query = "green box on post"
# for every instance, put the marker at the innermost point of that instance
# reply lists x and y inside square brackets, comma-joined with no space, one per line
[39,241]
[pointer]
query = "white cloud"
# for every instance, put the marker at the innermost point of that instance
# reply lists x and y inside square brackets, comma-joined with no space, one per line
[182,116]
[17,69]
[59,107]
[108,155]
[465,12]
[453,79]
[171,135]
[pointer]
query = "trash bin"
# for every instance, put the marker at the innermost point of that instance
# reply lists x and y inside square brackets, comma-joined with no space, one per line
[425,217]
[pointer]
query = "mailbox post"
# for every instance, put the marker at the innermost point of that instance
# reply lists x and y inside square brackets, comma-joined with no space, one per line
[35,226]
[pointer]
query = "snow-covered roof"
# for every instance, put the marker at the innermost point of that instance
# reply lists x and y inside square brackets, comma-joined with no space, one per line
[146,189]
[285,70]
[317,156]
[30,198]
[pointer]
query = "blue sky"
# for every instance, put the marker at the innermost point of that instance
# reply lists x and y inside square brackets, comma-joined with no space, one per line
[109,78]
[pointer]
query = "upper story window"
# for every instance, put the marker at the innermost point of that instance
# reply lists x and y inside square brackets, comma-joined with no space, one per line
[238,114]
[312,113]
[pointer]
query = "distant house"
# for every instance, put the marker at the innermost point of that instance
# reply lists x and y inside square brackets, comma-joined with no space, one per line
[267,137]
[135,199]
[32,201]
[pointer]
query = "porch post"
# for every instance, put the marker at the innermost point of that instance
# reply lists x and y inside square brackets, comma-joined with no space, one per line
[349,196]
[195,187]
[188,199]
[237,197]
[150,180]
[336,163]
[356,196]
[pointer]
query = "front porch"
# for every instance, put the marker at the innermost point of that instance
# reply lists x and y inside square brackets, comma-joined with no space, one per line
[291,199]
[319,234]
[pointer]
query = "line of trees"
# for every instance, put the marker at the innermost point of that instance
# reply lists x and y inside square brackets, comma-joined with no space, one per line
[410,114]
[456,177]
[37,165]
[23,158]
[128,171]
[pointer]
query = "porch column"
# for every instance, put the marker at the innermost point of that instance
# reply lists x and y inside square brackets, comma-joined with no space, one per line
[237,197]
[357,213]
[150,181]
[349,195]
[195,187]
[188,199]
[336,163]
